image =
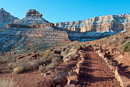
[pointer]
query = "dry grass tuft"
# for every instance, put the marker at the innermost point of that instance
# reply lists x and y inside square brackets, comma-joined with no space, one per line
[126,47]
[7,83]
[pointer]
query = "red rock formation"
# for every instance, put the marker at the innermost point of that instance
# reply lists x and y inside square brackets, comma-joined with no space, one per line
[30,26]
[33,12]
[16,26]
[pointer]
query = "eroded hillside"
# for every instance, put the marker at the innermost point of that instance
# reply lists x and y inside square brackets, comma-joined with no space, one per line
[6,18]
[31,33]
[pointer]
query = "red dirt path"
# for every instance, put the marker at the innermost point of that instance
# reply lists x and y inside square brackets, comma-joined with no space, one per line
[95,73]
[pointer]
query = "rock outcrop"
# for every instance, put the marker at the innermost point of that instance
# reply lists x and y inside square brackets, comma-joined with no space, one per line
[33,13]
[6,18]
[31,33]
[33,19]
[98,24]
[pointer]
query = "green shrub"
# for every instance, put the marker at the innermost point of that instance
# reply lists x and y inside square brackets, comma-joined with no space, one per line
[55,59]
[31,65]
[122,53]
[47,53]
[70,55]
[11,65]
[41,61]
[126,47]
[94,45]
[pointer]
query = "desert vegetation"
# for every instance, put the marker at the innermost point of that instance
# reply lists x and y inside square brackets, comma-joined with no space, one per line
[7,82]
[39,61]
[126,47]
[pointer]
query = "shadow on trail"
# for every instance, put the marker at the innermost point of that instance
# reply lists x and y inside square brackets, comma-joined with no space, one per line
[99,79]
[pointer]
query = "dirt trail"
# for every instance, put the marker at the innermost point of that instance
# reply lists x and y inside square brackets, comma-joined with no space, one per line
[95,73]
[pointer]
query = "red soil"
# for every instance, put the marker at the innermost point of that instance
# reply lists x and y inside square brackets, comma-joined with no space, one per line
[95,73]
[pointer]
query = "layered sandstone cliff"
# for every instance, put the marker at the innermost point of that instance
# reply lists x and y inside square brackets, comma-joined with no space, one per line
[98,24]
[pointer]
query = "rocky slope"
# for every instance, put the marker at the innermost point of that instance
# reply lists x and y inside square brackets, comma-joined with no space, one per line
[6,18]
[31,33]
[110,24]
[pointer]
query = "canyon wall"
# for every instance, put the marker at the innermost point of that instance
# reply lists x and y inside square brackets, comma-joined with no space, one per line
[98,24]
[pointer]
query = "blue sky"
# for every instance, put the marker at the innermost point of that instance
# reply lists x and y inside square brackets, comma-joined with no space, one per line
[66,10]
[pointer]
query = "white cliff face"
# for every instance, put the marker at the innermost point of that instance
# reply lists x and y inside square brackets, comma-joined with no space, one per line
[6,18]
[97,27]
[98,24]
